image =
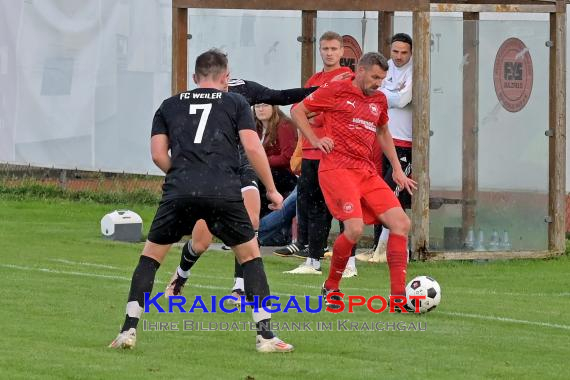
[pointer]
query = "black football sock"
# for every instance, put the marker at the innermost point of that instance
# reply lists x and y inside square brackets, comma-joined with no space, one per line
[256,285]
[188,257]
[377,232]
[141,283]
[263,329]
[238,270]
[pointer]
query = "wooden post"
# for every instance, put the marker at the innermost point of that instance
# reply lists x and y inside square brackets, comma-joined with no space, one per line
[307,40]
[470,166]
[421,131]
[557,126]
[385,32]
[179,50]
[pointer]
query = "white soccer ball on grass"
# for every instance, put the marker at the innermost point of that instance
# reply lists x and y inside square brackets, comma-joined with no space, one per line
[424,286]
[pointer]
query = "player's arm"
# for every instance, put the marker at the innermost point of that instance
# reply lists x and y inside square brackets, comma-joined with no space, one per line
[321,100]
[299,115]
[258,160]
[387,145]
[401,97]
[262,94]
[159,152]
[159,142]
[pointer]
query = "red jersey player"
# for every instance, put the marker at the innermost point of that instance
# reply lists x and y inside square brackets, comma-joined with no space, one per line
[355,114]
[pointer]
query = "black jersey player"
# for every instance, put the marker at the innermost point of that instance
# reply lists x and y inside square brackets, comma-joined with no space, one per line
[254,93]
[202,129]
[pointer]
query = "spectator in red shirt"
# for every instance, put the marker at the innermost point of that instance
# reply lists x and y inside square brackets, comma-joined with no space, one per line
[279,138]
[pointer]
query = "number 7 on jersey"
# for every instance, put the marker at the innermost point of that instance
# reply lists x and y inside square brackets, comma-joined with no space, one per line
[203,119]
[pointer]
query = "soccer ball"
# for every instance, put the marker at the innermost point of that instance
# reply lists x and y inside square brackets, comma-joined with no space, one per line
[424,286]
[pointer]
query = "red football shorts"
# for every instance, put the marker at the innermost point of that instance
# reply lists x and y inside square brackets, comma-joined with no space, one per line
[356,193]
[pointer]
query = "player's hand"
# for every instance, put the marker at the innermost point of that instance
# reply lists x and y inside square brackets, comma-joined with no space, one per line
[276,200]
[404,182]
[325,144]
[342,76]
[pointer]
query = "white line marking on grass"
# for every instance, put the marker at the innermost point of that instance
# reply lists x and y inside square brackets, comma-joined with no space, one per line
[486,292]
[84,264]
[456,290]
[47,270]
[508,320]
[459,291]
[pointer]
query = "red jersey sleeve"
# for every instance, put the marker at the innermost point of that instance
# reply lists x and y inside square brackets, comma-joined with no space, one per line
[383,118]
[323,99]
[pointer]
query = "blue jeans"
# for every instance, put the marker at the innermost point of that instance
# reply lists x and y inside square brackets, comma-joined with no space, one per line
[275,227]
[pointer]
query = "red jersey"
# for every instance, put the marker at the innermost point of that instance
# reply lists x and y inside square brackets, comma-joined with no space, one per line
[350,119]
[318,79]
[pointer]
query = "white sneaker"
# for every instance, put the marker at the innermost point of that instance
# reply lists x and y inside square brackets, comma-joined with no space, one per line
[304,269]
[349,272]
[271,345]
[175,285]
[365,256]
[237,293]
[379,254]
[126,339]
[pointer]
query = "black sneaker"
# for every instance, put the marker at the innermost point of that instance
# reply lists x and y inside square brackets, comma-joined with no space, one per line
[325,292]
[304,253]
[289,250]
[397,309]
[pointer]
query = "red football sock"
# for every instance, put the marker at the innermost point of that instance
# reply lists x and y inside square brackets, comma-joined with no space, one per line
[397,256]
[341,252]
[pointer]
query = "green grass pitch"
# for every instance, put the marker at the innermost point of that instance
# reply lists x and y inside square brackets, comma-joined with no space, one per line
[64,290]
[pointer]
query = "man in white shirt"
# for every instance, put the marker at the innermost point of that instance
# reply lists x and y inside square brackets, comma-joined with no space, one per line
[398,90]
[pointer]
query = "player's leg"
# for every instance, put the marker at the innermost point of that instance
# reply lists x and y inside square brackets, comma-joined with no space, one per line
[367,255]
[379,255]
[381,204]
[319,221]
[319,218]
[230,222]
[345,205]
[380,165]
[350,270]
[142,282]
[397,247]
[163,232]
[252,204]
[191,252]
[342,250]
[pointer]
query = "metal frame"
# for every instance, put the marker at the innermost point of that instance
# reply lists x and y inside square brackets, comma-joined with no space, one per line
[421,122]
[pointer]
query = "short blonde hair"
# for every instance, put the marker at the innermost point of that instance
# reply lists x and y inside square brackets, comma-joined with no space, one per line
[329,36]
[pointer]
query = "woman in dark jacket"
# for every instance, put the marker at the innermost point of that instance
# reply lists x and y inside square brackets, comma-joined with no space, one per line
[279,137]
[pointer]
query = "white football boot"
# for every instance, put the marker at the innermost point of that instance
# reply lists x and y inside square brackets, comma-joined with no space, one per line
[126,339]
[271,345]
